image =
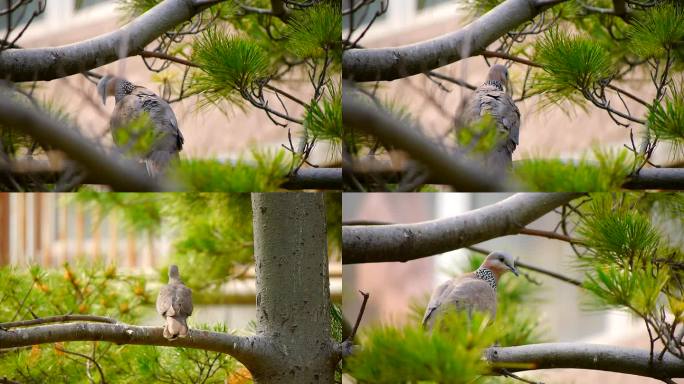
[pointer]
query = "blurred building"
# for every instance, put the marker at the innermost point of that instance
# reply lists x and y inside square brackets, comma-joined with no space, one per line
[395,287]
[551,132]
[208,131]
[49,229]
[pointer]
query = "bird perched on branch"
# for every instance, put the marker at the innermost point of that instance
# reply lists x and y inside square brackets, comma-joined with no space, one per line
[474,291]
[174,303]
[132,104]
[492,99]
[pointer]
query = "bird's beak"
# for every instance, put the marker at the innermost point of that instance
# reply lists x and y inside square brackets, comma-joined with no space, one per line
[102,89]
[514,270]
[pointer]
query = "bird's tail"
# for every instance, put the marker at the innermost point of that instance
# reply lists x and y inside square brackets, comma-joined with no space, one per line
[157,162]
[175,327]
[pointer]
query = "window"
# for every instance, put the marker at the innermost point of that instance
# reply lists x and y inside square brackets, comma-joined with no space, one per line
[423,4]
[81,4]
[21,15]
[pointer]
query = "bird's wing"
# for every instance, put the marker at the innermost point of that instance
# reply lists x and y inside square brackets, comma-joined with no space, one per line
[435,301]
[169,136]
[490,100]
[183,300]
[165,299]
[473,295]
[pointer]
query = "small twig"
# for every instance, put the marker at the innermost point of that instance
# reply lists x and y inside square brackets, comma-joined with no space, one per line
[506,56]
[548,235]
[507,373]
[164,56]
[97,365]
[359,316]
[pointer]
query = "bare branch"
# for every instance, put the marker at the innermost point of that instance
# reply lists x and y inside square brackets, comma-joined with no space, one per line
[57,319]
[585,356]
[121,174]
[404,242]
[398,62]
[247,349]
[459,172]
[55,62]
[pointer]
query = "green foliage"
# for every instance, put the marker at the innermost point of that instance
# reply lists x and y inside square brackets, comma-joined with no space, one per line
[136,137]
[637,289]
[570,65]
[95,290]
[230,66]
[133,8]
[606,172]
[451,353]
[480,137]
[666,119]
[617,234]
[657,31]
[323,118]
[266,171]
[316,32]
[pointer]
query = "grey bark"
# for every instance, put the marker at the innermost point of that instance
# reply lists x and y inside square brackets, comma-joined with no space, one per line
[586,356]
[55,62]
[462,174]
[121,174]
[398,62]
[293,294]
[656,178]
[404,242]
[315,178]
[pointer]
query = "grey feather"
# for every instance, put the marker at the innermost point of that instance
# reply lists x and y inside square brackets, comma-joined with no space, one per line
[174,304]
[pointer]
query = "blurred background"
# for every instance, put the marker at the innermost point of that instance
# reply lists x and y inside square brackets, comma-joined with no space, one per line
[568,132]
[208,132]
[395,288]
[139,235]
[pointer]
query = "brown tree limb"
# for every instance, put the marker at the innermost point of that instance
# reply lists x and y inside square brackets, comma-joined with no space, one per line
[57,319]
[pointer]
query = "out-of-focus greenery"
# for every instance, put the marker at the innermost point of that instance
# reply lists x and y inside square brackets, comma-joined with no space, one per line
[604,171]
[211,233]
[96,289]
[452,352]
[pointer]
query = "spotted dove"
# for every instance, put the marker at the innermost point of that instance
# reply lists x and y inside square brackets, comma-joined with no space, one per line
[474,291]
[174,303]
[131,102]
[490,98]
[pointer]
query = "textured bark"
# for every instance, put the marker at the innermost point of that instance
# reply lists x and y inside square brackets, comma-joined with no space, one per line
[56,62]
[247,349]
[457,171]
[404,242]
[121,174]
[398,62]
[585,356]
[293,294]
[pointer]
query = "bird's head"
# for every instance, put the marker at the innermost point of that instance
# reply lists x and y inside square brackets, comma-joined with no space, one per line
[498,72]
[173,272]
[500,262]
[106,87]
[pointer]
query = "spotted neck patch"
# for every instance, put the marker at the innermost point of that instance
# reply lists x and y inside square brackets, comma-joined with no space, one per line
[495,83]
[487,275]
[124,87]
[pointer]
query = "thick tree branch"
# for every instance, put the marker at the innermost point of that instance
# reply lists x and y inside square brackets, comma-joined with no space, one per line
[462,174]
[398,62]
[315,178]
[247,349]
[585,356]
[647,178]
[55,62]
[404,242]
[121,174]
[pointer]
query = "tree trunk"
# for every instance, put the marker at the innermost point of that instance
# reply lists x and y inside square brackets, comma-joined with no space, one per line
[292,287]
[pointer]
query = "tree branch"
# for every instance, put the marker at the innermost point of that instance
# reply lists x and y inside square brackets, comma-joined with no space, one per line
[404,242]
[55,62]
[656,178]
[315,178]
[462,174]
[57,319]
[398,62]
[121,174]
[584,356]
[247,349]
